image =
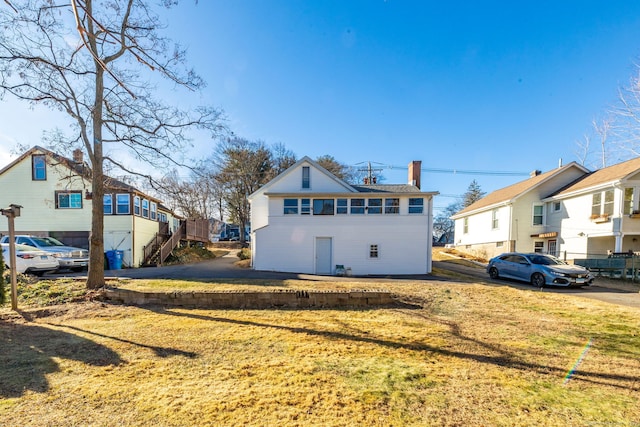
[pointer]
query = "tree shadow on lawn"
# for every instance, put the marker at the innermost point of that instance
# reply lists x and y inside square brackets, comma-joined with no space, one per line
[493,354]
[27,353]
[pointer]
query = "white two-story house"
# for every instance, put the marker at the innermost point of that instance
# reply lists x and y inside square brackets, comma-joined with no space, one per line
[306,220]
[569,212]
[597,214]
[514,218]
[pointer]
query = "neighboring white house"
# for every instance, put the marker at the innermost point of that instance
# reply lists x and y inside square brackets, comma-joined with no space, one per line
[55,193]
[514,218]
[597,214]
[306,220]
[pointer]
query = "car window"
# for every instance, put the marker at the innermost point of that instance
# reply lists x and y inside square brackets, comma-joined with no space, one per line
[545,260]
[520,259]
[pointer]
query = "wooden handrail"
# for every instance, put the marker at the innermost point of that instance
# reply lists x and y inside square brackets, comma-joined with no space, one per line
[170,244]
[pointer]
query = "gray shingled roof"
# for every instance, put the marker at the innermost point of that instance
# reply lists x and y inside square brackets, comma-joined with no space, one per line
[387,188]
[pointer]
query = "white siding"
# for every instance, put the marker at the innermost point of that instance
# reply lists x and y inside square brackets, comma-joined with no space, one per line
[288,243]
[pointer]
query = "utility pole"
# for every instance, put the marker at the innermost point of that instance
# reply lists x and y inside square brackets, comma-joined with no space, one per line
[11,213]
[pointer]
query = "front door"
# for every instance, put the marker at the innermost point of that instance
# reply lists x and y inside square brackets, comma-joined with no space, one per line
[552,248]
[323,255]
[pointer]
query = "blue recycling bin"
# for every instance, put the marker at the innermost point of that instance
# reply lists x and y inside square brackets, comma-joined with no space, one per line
[115,259]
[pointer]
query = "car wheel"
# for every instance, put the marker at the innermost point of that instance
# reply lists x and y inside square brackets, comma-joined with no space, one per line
[493,273]
[537,280]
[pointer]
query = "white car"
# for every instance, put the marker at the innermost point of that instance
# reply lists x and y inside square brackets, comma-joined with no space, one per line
[30,260]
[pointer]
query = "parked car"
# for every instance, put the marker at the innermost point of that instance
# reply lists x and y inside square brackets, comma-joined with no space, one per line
[538,269]
[68,256]
[30,260]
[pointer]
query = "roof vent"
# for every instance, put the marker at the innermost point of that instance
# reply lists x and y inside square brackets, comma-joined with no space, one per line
[535,173]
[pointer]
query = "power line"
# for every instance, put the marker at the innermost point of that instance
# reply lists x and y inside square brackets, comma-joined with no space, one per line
[464,171]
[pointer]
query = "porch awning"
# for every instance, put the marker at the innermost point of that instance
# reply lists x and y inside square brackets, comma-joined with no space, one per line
[546,235]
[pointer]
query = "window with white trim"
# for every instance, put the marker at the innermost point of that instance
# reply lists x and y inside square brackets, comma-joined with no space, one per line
[357,206]
[538,214]
[136,205]
[342,206]
[607,208]
[596,204]
[374,206]
[465,225]
[305,207]
[145,208]
[495,220]
[323,206]
[416,205]
[154,211]
[628,201]
[306,177]
[538,246]
[392,206]
[291,206]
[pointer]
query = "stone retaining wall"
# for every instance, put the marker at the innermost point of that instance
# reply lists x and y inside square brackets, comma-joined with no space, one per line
[251,300]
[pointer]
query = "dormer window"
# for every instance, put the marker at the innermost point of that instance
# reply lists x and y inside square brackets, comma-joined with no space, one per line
[306,178]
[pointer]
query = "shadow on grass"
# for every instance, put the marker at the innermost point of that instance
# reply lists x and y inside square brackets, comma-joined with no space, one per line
[27,353]
[492,354]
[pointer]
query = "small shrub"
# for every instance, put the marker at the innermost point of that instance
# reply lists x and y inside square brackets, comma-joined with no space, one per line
[244,253]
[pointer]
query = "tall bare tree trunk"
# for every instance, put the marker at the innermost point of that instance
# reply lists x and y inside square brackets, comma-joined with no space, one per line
[95,278]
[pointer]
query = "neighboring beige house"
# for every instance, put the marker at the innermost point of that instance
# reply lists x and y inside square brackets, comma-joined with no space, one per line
[514,218]
[55,193]
[306,220]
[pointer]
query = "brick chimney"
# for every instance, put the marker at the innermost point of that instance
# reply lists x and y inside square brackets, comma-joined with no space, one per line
[414,172]
[77,155]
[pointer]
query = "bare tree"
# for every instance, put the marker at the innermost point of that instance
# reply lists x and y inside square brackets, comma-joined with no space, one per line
[198,196]
[443,225]
[242,167]
[283,158]
[92,59]
[625,130]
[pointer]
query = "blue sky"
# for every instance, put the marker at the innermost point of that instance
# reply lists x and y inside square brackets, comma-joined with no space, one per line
[491,86]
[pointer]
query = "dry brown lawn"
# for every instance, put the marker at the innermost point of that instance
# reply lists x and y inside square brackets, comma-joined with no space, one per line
[452,354]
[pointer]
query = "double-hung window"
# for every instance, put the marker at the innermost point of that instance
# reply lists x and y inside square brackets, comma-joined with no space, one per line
[628,201]
[391,206]
[375,206]
[357,206]
[136,205]
[154,211]
[305,206]
[145,208]
[596,204]
[123,204]
[495,220]
[108,204]
[341,207]
[291,206]
[465,225]
[538,214]
[607,208]
[416,205]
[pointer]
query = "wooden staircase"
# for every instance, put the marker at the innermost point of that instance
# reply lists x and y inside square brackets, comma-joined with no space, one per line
[163,243]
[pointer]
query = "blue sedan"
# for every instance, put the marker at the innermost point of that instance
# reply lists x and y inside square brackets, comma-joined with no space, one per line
[538,269]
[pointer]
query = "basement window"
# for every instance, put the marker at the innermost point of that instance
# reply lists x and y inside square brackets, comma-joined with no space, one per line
[374,251]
